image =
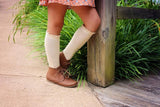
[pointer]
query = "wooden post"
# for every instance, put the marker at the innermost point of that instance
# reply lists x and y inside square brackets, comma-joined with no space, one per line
[101,47]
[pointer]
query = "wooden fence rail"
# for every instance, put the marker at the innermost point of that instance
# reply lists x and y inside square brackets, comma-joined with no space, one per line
[137,13]
[101,47]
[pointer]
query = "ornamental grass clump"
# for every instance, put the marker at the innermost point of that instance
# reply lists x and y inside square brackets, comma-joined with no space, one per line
[137,48]
[137,41]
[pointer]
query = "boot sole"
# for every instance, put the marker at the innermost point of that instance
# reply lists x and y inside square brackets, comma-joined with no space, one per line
[72,86]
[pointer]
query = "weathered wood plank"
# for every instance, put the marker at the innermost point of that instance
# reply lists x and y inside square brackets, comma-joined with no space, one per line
[150,84]
[131,94]
[117,95]
[137,13]
[101,47]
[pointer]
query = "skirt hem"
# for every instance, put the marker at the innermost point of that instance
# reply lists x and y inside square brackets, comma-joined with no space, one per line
[46,4]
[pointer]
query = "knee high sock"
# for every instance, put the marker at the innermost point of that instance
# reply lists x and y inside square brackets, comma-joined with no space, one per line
[80,37]
[52,50]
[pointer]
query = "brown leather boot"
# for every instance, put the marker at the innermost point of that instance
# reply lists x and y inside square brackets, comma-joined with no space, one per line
[61,77]
[63,61]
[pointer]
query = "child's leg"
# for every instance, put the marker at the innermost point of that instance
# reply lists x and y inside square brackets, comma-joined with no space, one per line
[56,14]
[89,17]
[91,22]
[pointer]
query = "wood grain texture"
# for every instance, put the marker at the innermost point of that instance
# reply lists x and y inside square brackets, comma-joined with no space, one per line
[101,47]
[137,13]
[125,93]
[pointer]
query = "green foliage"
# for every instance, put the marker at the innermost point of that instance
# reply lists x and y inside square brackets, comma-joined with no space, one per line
[25,8]
[137,48]
[137,41]
[150,4]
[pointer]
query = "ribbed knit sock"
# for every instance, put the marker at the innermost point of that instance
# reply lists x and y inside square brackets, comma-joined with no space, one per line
[52,49]
[80,37]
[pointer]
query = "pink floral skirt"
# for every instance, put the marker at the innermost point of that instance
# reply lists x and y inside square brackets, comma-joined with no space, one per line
[69,2]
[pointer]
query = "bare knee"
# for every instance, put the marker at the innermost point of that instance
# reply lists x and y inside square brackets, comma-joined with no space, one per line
[89,17]
[93,24]
[98,21]
[56,13]
[55,27]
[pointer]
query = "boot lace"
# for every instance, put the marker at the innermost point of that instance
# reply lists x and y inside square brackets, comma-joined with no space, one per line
[64,72]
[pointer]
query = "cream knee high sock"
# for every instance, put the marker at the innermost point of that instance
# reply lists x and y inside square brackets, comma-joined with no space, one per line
[52,49]
[80,37]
